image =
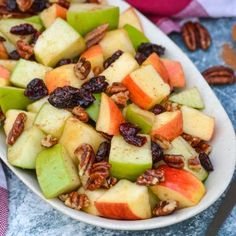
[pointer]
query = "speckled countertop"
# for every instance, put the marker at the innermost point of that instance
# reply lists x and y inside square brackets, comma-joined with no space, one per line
[29,215]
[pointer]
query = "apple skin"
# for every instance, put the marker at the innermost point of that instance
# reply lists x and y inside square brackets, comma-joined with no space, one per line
[179,185]
[34,19]
[93,110]
[4,76]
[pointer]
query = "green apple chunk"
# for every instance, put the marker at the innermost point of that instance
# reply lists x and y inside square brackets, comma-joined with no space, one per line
[137,37]
[93,110]
[12,98]
[189,97]
[181,147]
[24,152]
[11,117]
[8,64]
[7,24]
[142,118]
[25,71]
[51,120]
[36,106]
[56,172]
[86,17]
[59,41]
[34,19]
[129,161]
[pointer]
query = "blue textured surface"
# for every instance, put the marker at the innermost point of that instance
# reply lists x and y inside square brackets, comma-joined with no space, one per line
[31,216]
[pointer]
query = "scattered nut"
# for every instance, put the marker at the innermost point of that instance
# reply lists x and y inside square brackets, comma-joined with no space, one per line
[81,114]
[193,141]
[194,163]
[49,141]
[164,208]
[175,161]
[24,49]
[82,68]
[151,177]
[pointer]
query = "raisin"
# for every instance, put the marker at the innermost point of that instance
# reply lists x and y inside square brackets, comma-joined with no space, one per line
[35,37]
[36,89]
[2,39]
[96,84]
[103,152]
[14,55]
[112,59]
[63,62]
[205,161]
[140,58]
[11,5]
[23,29]
[129,133]
[158,109]
[38,5]
[157,152]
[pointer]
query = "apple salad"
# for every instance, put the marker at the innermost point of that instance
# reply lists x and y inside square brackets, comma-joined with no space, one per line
[104,119]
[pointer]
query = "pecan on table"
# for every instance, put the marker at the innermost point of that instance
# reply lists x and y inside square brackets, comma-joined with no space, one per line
[175,161]
[151,177]
[194,163]
[219,75]
[49,141]
[164,208]
[205,161]
[24,5]
[80,113]
[193,141]
[82,68]
[96,35]
[17,128]
[112,58]
[24,49]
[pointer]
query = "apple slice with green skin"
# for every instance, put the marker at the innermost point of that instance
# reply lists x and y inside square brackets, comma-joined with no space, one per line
[93,110]
[86,17]
[197,123]
[129,161]
[168,125]
[25,71]
[129,16]
[110,116]
[11,117]
[36,106]
[24,151]
[181,147]
[137,37]
[76,133]
[116,40]
[122,67]
[51,120]
[142,118]
[71,44]
[4,76]
[179,185]
[12,98]
[56,173]
[146,87]
[125,201]
[8,64]
[189,97]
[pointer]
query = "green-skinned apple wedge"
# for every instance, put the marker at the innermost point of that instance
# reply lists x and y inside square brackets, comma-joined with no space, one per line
[93,110]
[129,161]
[71,44]
[56,172]
[34,19]
[86,17]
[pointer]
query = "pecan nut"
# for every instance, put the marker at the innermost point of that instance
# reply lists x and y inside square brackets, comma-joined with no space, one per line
[49,141]
[194,163]
[151,177]
[24,49]
[112,59]
[96,35]
[193,141]
[24,5]
[203,147]
[171,106]
[17,128]
[175,161]
[219,75]
[80,113]
[116,88]
[121,98]
[164,208]
[205,161]
[82,68]
[109,182]
[163,143]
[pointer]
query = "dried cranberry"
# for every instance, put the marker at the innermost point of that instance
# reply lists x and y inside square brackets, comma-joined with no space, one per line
[36,89]
[63,62]
[129,133]
[112,59]
[11,5]
[96,84]
[205,161]
[103,152]
[2,39]
[14,55]
[158,109]
[23,29]
[157,152]
[38,5]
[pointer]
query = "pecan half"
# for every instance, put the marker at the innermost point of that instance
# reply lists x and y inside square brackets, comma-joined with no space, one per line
[151,177]
[112,59]
[109,182]
[96,35]
[80,113]
[82,68]
[203,147]
[203,36]
[205,161]
[194,163]
[175,161]
[171,106]
[121,98]
[193,141]
[49,141]
[164,208]
[219,75]
[24,49]
[24,5]
[17,128]
[116,88]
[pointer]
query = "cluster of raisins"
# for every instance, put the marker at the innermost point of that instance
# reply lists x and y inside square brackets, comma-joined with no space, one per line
[23,29]
[96,84]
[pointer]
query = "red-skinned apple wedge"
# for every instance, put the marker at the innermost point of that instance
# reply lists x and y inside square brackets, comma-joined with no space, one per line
[4,76]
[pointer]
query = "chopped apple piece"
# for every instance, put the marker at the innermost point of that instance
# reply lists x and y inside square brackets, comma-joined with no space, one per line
[93,110]
[125,201]
[8,64]
[36,106]
[3,52]
[4,76]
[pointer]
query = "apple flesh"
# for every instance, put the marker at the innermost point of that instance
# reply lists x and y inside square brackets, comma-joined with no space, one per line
[36,106]
[87,16]
[110,116]
[179,185]
[197,123]
[146,87]
[64,42]
[8,64]
[4,76]
[93,110]
[129,161]
[125,201]
[168,125]
[3,51]
[122,67]
[56,173]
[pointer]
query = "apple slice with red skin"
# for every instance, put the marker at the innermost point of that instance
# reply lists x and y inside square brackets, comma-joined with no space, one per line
[4,76]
